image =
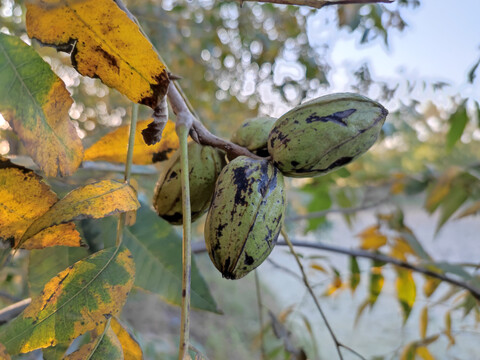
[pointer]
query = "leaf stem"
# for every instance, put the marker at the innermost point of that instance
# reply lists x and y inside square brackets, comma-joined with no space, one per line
[260,315]
[182,132]
[128,169]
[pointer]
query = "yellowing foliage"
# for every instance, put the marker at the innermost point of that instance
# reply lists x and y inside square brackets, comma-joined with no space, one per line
[372,238]
[131,348]
[113,146]
[104,346]
[107,43]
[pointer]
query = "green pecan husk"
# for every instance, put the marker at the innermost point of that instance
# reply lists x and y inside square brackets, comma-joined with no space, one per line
[245,216]
[324,134]
[253,134]
[205,164]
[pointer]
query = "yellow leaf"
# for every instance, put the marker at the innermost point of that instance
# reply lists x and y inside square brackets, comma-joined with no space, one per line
[131,348]
[97,200]
[423,352]
[319,268]
[406,291]
[3,353]
[400,248]
[408,352]
[424,322]
[104,42]
[104,346]
[23,198]
[372,239]
[113,146]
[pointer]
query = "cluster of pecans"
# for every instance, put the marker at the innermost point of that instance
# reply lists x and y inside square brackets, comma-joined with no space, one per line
[248,204]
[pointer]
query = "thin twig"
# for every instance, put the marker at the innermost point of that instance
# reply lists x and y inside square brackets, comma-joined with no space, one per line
[338,344]
[200,247]
[318,4]
[12,311]
[352,210]
[260,316]
[182,132]
[128,169]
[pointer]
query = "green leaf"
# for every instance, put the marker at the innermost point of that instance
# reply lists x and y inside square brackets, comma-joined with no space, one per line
[46,263]
[157,250]
[35,102]
[354,273]
[55,352]
[376,282]
[75,301]
[320,201]
[458,120]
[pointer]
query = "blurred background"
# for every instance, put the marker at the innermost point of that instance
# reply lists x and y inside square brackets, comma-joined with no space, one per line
[420,59]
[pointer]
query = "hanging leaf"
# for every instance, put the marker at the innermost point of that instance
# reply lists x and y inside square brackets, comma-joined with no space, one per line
[97,200]
[450,204]
[354,273]
[376,282]
[458,120]
[104,42]
[35,102]
[157,251]
[441,188]
[23,198]
[372,238]
[400,249]
[424,322]
[104,346]
[113,146]
[130,346]
[408,352]
[406,291]
[75,301]
[430,286]
[46,263]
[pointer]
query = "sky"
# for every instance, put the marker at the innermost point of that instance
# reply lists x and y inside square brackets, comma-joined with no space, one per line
[441,42]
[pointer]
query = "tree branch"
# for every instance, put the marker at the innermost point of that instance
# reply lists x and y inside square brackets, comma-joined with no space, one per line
[199,248]
[318,4]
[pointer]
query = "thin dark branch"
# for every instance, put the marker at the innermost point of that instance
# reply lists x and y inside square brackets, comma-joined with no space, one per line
[12,311]
[318,4]
[260,316]
[353,210]
[199,247]
[284,268]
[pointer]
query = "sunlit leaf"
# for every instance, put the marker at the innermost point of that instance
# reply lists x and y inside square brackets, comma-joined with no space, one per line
[157,250]
[75,301]
[372,238]
[97,200]
[424,322]
[113,146]
[406,291]
[23,198]
[408,352]
[424,353]
[376,282]
[450,204]
[104,42]
[400,249]
[318,267]
[130,346]
[458,120]
[46,263]
[354,273]
[35,102]
[473,209]
[104,346]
